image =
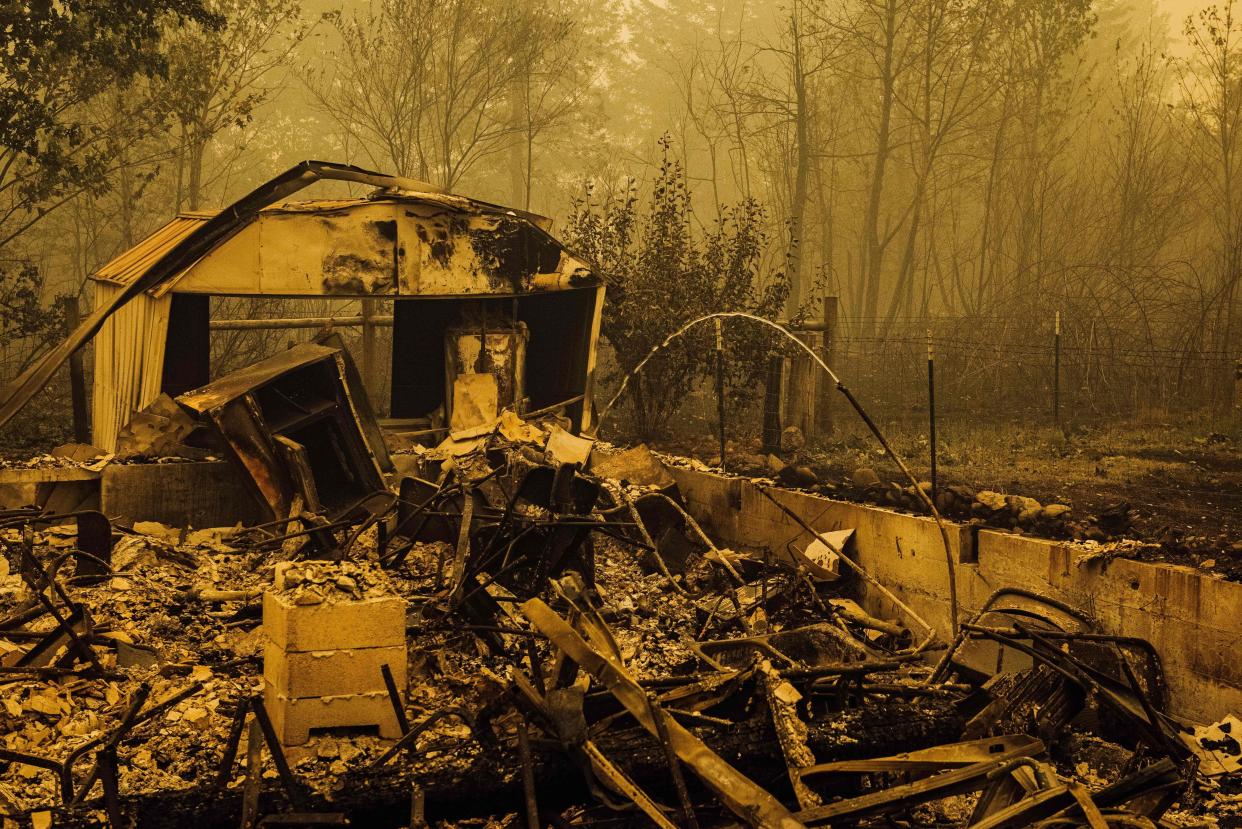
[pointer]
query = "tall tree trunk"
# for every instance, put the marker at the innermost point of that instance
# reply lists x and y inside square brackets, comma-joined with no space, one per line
[989,202]
[797,206]
[872,258]
[194,186]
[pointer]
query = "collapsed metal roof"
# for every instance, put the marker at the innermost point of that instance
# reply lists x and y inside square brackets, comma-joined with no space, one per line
[129,265]
[392,242]
[422,241]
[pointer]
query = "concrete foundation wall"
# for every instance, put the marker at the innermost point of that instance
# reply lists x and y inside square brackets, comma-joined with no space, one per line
[1192,619]
[201,494]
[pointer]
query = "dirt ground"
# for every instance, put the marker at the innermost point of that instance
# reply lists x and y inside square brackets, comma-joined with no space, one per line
[1175,483]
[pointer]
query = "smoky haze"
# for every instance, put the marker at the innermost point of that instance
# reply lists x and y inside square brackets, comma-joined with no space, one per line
[992,162]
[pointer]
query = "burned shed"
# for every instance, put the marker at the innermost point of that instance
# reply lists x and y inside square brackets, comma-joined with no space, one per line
[489,310]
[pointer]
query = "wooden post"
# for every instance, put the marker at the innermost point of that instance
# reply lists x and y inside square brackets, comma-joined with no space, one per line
[800,391]
[77,377]
[823,383]
[1056,371]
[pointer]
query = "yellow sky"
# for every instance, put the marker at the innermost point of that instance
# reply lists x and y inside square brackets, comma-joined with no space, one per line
[1178,10]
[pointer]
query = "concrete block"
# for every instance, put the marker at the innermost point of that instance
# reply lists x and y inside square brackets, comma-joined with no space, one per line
[297,674]
[369,623]
[294,719]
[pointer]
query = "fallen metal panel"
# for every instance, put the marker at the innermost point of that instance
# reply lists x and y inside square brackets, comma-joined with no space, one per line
[235,384]
[299,395]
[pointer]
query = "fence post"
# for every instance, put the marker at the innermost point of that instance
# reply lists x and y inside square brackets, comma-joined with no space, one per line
[773,397]
[827,353]
[720,387]
[1056,371]
[1237,385]
[77,376]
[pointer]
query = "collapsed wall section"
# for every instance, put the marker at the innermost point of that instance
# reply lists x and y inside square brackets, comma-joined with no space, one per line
[1188,616]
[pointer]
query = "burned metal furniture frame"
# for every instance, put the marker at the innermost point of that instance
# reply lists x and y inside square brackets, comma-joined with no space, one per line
[73,623]
[104,769]
[291,426]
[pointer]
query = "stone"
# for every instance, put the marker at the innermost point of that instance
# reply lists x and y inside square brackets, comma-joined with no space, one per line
[990,500]
[792,440]
[797,476]
[294,719]
[864,477]
[1029,516]
[1054,512]
[962,493]
[1018,504]
[197,718]
[806,476]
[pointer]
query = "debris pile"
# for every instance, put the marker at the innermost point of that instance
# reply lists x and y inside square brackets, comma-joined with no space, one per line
[528,626]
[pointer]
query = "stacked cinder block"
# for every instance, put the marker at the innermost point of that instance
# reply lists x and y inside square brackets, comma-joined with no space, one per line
[321,664]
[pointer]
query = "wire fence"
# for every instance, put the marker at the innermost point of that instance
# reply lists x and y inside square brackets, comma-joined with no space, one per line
[1026,370]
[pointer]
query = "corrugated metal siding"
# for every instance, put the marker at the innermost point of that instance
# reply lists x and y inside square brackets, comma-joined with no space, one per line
[129,361]
[133,263]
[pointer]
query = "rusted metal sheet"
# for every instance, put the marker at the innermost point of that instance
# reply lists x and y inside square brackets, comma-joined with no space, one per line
[131,264]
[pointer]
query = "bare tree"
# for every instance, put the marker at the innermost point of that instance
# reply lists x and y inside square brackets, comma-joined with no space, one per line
[951,41]
[1214,103]
[218,78]
[425,87]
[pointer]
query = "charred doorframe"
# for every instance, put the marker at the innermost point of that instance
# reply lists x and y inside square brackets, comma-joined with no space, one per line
[562,326]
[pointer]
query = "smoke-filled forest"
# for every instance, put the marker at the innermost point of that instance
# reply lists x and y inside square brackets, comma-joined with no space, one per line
[968,174]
